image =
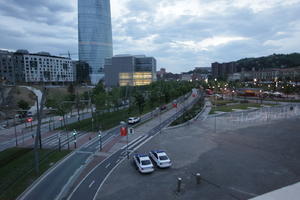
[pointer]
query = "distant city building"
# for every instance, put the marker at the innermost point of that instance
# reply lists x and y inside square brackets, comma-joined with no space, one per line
[171,77]
[199,77]
[94,35]
[270,74]
[82,72]
[186,77]
[161,73]
[222,70]
[24,67]
[11,67]
[234,77]
[287,74]
[42,67]
[123,70]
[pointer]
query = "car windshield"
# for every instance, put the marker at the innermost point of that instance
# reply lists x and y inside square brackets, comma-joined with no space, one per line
[163,157]
[146,162]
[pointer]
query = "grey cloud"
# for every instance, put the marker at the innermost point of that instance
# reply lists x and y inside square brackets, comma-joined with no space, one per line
[241,22]
[36,10]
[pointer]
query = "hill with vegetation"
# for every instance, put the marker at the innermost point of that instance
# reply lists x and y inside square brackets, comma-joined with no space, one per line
[272,61]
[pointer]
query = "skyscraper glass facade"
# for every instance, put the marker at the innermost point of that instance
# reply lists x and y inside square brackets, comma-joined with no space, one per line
[94,35]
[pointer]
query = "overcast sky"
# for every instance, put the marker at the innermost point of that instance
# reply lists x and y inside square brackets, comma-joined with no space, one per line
[180,34]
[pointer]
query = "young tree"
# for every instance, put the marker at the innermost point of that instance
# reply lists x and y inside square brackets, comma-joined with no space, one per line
[71,89]
[22,104]
[100,101]
[140,101]
[59,106]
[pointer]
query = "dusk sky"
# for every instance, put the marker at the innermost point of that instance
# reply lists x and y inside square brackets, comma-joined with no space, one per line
[180,34]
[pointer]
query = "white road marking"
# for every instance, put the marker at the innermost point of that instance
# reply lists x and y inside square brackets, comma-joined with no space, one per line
[243,192]
[118,161]
[92,183]
[107,165]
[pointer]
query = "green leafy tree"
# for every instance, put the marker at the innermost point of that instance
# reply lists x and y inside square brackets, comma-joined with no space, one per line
[59,105]
[71,89]
[140,101]
[99,88]
[153,98]
[100,101]
[22,104]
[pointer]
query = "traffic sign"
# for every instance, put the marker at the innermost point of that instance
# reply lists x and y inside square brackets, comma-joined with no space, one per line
[131,131]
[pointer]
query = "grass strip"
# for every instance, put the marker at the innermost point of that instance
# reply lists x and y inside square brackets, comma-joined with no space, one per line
[190,114]
[17,169]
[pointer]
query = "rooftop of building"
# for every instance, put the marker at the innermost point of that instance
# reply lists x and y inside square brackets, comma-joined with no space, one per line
[130,55]
[26,52]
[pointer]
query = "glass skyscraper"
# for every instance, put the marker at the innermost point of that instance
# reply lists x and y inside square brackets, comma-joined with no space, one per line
[94,35]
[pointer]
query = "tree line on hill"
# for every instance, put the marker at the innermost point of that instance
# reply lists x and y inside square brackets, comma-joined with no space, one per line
[272,61]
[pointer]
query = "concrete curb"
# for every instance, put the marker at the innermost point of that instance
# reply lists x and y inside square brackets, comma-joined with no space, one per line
[250,110]
[189,121]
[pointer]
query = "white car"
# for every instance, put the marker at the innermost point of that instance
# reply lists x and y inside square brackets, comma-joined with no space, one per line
[143,163]
[160,158]
[133,120]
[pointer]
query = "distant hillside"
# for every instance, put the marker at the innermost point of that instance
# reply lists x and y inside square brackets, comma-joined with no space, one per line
[272,61]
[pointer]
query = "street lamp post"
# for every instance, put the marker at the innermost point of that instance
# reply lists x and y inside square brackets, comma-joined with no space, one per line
[31,124]
[61,123]
[125,126]
[22,131]
[15,131]
[59,142]
[100,140]
[49,123]
[68,140]
[74,135]
[92,122]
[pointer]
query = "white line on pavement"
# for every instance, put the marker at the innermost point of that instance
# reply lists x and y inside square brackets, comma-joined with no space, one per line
[118,161]
[92,183]
[107,165]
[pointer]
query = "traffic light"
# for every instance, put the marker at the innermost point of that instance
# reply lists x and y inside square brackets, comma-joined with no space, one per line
[29,119]
[74,133]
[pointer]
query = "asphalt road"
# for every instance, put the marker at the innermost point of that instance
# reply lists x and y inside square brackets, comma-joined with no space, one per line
[235,164]
[87,189]
[59,178]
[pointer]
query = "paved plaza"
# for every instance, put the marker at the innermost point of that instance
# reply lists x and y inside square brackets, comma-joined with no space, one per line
[240,162]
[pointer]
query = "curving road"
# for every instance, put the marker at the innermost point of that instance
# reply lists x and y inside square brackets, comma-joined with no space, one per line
[56,183]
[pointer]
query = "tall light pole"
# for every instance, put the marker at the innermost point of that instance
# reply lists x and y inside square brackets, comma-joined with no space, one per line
[100,140]
[74,135]
[59,142]
[124,132]
[15,131]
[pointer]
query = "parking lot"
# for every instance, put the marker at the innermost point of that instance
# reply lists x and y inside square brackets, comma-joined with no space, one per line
[240,164]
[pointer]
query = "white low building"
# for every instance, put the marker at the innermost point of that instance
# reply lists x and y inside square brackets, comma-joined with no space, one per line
[42,67]
[234,77]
